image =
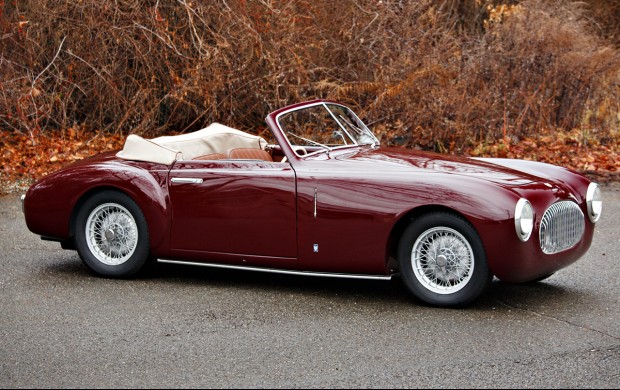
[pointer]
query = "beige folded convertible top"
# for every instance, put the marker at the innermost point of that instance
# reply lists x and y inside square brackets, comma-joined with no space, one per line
[216,138]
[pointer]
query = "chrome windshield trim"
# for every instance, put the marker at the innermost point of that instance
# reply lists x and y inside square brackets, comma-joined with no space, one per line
[324,104]
[277,271]
[374,137]
[351,138]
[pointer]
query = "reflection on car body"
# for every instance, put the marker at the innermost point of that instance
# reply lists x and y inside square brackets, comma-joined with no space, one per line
[324,199]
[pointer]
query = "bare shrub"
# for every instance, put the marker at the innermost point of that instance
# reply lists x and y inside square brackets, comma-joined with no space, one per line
[543,69]
[535,67]
[423,72]
[605,18]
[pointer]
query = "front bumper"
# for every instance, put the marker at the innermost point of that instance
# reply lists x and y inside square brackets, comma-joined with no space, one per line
[514,261]
[22,199]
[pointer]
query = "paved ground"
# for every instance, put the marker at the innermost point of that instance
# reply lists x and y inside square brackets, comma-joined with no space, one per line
[184,327]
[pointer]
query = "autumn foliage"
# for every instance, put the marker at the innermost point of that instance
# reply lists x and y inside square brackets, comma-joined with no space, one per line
[476,76]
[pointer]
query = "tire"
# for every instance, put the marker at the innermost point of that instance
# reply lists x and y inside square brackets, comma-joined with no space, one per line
[111,235]
[442,260]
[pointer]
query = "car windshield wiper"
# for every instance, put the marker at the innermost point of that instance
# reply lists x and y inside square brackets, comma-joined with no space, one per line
[311,142]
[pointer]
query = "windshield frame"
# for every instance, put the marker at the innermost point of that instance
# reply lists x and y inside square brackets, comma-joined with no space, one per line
[327,149]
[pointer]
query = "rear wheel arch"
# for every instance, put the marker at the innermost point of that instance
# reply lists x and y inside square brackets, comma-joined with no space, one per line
[156,211]
[84,198]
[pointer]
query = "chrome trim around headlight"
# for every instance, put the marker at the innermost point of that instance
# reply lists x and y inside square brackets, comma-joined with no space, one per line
[524,219]
[594,201]
[22,199]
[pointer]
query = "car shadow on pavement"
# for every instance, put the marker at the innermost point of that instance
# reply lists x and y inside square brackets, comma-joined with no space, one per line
[499,293]
[529,295]
[167,275]
[268,282]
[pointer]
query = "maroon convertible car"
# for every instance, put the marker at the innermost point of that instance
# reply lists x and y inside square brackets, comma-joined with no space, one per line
[323,199]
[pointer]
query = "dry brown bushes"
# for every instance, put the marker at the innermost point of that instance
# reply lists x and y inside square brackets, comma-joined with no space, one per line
[423,72]
[605,18]
[541,68]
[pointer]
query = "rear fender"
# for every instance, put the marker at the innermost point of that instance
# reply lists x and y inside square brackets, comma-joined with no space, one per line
[52,203]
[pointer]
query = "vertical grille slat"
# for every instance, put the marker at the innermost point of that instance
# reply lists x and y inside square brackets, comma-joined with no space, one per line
[562,227]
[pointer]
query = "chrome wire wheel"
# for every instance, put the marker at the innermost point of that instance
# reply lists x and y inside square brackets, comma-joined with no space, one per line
[442,260]
[111,234]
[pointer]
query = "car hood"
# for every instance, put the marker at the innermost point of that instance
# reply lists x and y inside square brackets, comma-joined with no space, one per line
[421,163]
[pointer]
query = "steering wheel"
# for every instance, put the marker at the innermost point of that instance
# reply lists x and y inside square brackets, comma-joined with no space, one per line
[300,150]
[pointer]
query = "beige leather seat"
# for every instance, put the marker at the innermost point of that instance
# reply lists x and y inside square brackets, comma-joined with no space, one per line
[249,154]
[212,156]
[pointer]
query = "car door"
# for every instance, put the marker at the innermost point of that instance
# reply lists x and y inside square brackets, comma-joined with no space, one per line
[344,219]
[234,207]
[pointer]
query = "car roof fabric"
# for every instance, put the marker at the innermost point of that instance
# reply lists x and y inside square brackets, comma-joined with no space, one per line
[216,138]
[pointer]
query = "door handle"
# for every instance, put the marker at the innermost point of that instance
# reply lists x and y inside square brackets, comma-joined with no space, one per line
[186,180]
[316,193]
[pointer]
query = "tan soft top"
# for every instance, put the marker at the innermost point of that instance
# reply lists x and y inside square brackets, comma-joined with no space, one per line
[216,138]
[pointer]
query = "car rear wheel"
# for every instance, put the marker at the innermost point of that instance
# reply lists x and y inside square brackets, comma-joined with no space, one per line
[442,260]
[112,235]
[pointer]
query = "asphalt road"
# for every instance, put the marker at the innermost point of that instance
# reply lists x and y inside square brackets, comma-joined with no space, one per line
[186,327]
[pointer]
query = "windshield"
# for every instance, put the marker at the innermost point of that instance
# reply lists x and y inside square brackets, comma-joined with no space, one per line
[325,126]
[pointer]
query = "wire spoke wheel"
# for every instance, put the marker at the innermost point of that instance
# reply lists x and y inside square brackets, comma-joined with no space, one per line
[442,260]
[111,234]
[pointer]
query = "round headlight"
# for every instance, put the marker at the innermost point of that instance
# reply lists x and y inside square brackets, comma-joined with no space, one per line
[524,219]
[594,200]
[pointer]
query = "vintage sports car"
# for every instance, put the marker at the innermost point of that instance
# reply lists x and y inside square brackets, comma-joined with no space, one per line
[323,198]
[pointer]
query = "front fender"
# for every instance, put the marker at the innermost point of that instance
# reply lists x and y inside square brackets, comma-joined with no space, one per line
[571,180]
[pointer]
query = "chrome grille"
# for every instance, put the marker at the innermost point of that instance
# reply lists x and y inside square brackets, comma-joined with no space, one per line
[562,227]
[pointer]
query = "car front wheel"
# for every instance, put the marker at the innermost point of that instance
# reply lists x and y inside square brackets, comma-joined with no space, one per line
[112,235]
[442,260]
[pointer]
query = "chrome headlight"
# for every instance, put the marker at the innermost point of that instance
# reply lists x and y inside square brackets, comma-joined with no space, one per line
[594,200]
[524,219]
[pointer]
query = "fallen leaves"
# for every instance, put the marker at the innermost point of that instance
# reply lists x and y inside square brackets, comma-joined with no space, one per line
[25,159]
[578,150]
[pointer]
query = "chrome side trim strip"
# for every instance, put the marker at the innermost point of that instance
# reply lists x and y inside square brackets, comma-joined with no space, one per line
[277,271]
[186,180]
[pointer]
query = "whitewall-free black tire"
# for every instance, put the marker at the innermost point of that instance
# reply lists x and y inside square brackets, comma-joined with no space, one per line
[111,235]
[442,260]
